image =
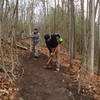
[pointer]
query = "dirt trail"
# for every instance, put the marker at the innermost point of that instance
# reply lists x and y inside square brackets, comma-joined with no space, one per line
[42,84]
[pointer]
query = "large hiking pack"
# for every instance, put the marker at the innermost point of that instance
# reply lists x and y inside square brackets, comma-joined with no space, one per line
[57,37]
[53,40]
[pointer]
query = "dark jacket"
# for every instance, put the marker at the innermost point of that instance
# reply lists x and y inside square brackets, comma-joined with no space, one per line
[52,43]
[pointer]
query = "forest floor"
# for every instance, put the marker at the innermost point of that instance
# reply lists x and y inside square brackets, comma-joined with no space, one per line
[38,83]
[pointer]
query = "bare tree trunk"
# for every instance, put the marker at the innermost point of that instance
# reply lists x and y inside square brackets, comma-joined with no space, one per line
[1,10]
[91,68]
[17,5]
[82,26]
[85,38]
[62,15]
[49,18]
[47,12]
[89,33]
[44,15]
[72,30]
[55,17]
[30,22]
[97,3]
[68,26]
[82,45]
[99,41]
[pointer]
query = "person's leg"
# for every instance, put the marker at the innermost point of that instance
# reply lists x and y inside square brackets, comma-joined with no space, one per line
[58,58]
[33,48]
[36,50]
[49,62]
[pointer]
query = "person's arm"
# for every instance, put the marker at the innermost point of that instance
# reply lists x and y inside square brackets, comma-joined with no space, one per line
[49,48]
[39,36]
[33,36]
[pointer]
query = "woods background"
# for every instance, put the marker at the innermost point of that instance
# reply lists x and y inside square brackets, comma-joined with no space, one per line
[77,20]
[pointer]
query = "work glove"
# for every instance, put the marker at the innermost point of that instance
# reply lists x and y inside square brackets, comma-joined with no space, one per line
[52,54]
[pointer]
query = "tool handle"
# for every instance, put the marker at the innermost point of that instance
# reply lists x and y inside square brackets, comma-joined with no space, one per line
[50,58]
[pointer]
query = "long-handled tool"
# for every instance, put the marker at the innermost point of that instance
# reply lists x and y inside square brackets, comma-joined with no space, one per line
[50,58]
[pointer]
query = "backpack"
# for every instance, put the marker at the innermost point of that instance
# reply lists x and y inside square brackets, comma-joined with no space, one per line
[57,37]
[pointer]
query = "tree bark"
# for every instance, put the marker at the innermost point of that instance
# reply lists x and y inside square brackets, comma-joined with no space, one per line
[99,41]
[97,3]
[17,7]
[62,15]
[82,26]
[91,68]
[55,17]
[72,30]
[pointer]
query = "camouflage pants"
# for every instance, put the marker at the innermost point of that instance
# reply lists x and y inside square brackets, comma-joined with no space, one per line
[35,46]
[56,56]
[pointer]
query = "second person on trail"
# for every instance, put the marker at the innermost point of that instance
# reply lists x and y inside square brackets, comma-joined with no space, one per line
[53,42]
[35,42]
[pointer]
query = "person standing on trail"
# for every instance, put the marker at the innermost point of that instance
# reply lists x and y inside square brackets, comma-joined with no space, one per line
[53,42]
[35,42]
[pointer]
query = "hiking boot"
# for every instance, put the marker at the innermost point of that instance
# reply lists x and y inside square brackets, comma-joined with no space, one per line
[36,56]
[45,67]
[58,69]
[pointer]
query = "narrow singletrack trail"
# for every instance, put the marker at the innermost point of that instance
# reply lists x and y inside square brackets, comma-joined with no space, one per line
[38,83]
